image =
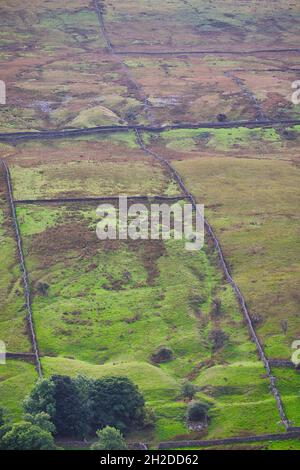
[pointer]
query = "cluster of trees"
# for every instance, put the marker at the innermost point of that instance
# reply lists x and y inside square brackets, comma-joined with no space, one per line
[80,407]
[32,433]
[197,411]
[77,408]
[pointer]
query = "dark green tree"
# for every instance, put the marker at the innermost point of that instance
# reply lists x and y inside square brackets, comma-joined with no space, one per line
[2,414]
[116,401]
[198,411]
[71,415]
[84,386]
[109,438]
[42,420]
[41,399]
[27,436]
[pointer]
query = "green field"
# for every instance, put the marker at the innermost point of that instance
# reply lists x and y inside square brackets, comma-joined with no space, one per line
[12,311]
[114,307]
[258,229]
[104,296]
[86,167]
[17,378]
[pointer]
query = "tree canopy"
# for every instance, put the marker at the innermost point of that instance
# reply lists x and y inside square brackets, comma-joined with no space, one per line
[109,438]
[26,436]
[81,405]
[116,401]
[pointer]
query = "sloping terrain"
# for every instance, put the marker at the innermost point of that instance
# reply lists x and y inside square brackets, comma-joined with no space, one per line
[108,308]
[12,312]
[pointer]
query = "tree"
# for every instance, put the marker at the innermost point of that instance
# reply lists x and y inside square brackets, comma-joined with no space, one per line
[3,430]
[149,418]
[188,390]
[198,411]
[70,418]
[41,399]
[116,401]
[2,413]
[218,338]
[84,386]
[109,438]
[42,420]
[27,436]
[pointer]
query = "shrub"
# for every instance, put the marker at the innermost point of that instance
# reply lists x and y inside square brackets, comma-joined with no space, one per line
[162,354]
[149,418]
[218,338]
[257,319]
[42,288]
[217,307]
[109,438]
[222,117]
[197,411]
[188,390]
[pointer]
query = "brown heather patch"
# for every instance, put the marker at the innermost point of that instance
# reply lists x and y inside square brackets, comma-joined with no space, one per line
[54,243]
[50,152]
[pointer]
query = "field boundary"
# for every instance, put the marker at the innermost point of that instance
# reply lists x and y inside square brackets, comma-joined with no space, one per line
[206,52]
[283,363]
[98,199]
[231,440]
[24,273]
[228,277]
[69,133]
[29,357]
[176,176]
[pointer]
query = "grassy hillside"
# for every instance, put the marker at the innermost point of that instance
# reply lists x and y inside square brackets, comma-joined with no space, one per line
[17,378]
[12,311]
[109,306]
[86,167]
